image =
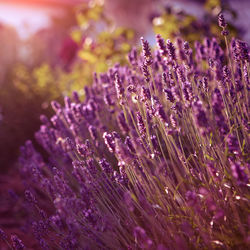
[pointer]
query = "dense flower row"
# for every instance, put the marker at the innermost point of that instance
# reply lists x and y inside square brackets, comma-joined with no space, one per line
[155,157]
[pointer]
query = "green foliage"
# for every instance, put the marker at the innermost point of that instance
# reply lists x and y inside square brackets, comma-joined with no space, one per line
[172,23]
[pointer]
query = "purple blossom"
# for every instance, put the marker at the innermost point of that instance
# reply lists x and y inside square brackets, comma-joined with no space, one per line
[145,72]
[201,117]
[93,132]
[3,235]
[145,94]
[109,141]
[17,243]
[161,45]
[221,21]
[238,173]
[30,197]
[140,124]
[118,86]
[170,166]
[171,50]
[146,51]
[186,48]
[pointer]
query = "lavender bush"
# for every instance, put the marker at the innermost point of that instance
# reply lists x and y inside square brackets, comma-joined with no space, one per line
[155,157]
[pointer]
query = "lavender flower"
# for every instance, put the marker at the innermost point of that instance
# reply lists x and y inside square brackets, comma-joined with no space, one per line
[30,197]
[3,235]
[145,94]
[17,243]
[140,124]
[118,86]
[172,159]
[242,49]
[221,21]
[146,52]
[201,118]
[130,145]
[169,95]
[238,173]
[171,50]
[161,45]
[108,100]
[145,72]
[93,132]
[109,141]
[186,48]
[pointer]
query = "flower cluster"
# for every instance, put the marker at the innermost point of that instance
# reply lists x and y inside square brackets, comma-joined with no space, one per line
[155,157]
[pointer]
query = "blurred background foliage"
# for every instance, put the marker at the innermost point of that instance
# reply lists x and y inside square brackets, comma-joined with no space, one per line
[89,38]
[173,23]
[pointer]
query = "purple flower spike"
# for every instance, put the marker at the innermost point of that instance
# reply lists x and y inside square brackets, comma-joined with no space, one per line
[238,173]
[161,45]
[108,100]
[145,72]
[140,124]
[118,86]
[3,235]
[109,141]
[146,51]
[17,244]
[68,145]
[93,132]
[186,48]
[76,97]
[205,84]
[201,118]
[145,94]
[106,166]
[30,197]
[242,50]
[67,102]
[169,95]
[130,145]
[56,106]
[221,21]
[122,152]
[171,50]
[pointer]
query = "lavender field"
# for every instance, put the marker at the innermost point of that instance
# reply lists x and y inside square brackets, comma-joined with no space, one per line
[145,145]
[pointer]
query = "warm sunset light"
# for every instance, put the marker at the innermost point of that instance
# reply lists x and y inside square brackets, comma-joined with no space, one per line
[44,2]
[124,124]
[28,16]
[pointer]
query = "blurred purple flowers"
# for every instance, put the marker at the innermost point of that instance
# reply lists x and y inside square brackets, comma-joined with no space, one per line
[155,157]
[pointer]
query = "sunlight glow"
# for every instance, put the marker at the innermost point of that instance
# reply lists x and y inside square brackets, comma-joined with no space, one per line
[27,18]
